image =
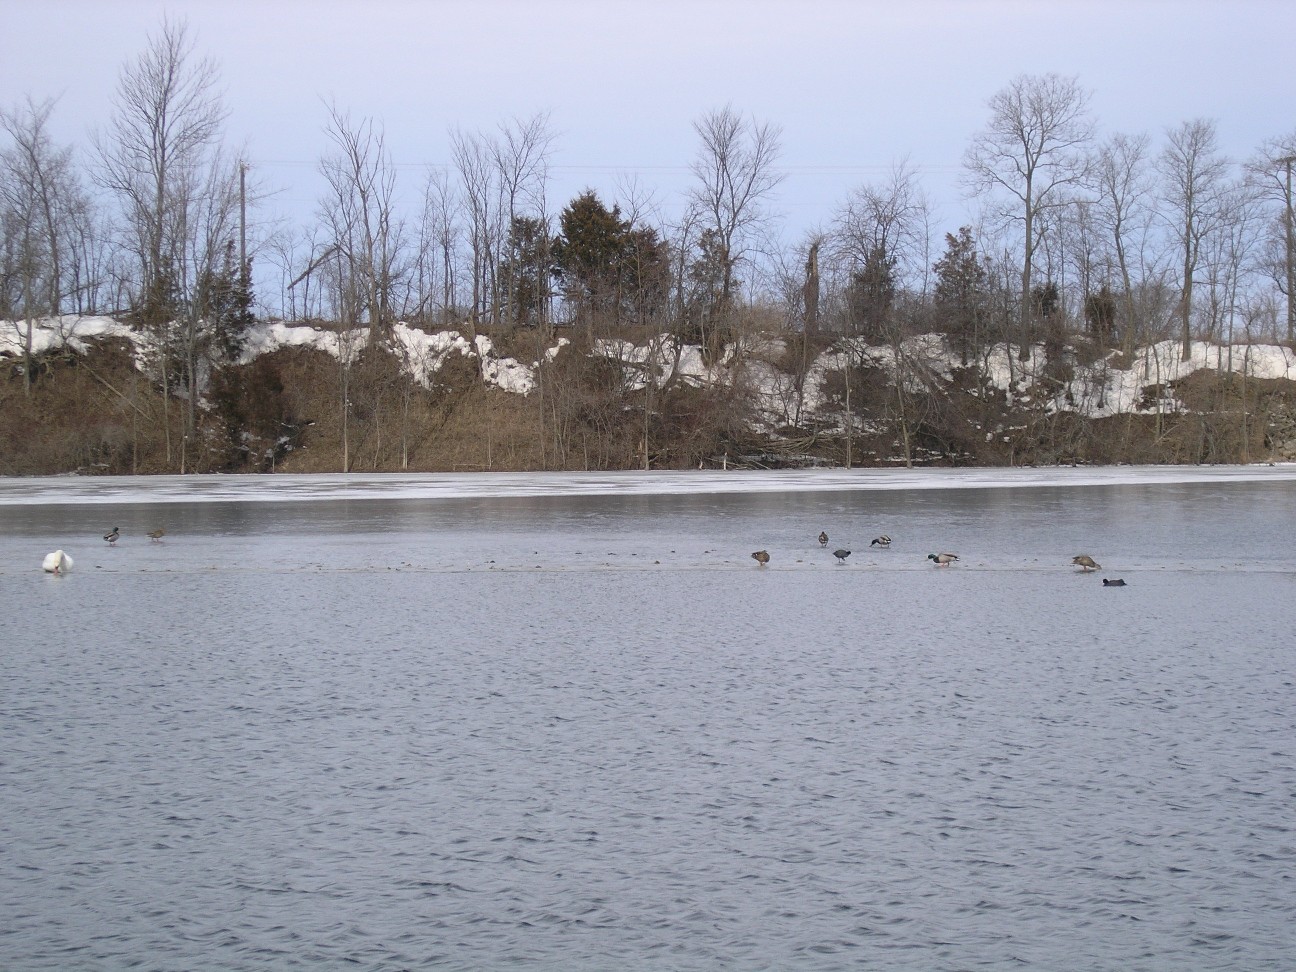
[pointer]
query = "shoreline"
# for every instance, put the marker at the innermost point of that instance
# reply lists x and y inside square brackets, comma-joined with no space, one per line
[313,487]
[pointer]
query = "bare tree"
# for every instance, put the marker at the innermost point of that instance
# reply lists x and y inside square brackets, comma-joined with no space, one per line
[1194,178]
[1125,209]
[166,121]
[165,127]
[1230,260]
[299,254]
[360,213]
[1031,152]
[892,217]
[521,159]
[213,226]
[42,181]
[736,171]
[438,240]
[1271,171]
[472,160]
[36,187]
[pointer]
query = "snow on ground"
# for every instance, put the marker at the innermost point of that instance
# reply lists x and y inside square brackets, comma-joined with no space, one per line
[282,487]
[265,338]
[70,331]
[426,353]
[1098,389]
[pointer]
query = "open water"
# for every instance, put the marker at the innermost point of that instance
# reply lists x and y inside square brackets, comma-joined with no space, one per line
[431,729]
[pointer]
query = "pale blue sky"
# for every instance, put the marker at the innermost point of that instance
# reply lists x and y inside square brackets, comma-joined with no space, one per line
[854,86]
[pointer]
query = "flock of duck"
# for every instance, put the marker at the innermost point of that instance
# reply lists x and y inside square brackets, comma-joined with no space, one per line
[59,562]
[1083,561]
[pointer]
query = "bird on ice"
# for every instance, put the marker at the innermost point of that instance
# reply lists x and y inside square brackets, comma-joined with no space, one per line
[823,538]
[1086,563]
[841,555]
[761,557]
[1113,582]
[882,541]
[112,536]
[156,535]
[944,559]
[57,563]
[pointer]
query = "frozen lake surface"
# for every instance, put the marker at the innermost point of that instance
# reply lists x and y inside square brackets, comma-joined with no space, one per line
[566,722]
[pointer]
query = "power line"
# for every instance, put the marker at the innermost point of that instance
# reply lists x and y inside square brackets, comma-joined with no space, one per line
[808,168]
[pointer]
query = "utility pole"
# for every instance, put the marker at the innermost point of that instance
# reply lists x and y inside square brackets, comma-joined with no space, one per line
[242,218]
[1288,220]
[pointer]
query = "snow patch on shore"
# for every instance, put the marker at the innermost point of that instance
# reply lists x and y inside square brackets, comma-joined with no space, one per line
[1098,389]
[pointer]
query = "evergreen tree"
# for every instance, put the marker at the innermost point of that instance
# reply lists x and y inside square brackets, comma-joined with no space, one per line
[224,303]
[608,269]
[1046,300]
[960,295]
[526,274]
[871,294]
[1046,305]
[1100,315]
[588,257]
[646,272]
[706,301]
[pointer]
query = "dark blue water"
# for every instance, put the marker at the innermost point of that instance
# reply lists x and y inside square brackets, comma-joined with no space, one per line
[591,733]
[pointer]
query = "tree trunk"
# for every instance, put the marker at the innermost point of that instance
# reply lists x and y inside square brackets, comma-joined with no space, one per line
[1024,352]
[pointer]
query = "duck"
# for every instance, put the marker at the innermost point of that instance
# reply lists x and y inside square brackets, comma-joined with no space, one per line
[1113,582]
[882,541]
[943,559]
[761,557]
[156,535]
[823,538]
[57,563]
[841,555]
[112,537]
[1086,563]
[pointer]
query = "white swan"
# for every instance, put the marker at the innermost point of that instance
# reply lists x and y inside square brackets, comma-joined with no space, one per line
[57,563]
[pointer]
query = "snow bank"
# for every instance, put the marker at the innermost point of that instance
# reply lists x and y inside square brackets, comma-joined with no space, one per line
[1098,389]
[70,330]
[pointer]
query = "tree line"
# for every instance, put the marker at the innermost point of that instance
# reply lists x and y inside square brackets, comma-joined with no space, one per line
[1122,238]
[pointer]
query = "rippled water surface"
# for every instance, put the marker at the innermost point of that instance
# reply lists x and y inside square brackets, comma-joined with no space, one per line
[588,732]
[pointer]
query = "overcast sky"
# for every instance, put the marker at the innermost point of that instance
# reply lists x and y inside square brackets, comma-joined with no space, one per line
[854,85]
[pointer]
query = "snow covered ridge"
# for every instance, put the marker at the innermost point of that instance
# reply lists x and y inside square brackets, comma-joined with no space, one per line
[423,353]
[1097,389]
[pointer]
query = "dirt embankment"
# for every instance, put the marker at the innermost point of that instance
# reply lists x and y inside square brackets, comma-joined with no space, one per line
[297,410]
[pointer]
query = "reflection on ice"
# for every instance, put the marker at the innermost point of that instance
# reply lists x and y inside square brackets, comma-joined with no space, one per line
[196,489]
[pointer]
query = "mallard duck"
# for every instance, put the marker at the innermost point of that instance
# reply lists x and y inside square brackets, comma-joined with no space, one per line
[841,555]
[943,559]
[882,541]
[1113,582]
[156,535]
[112,536]
[823,538]
[1086,563]
[761,557]
[57,563]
